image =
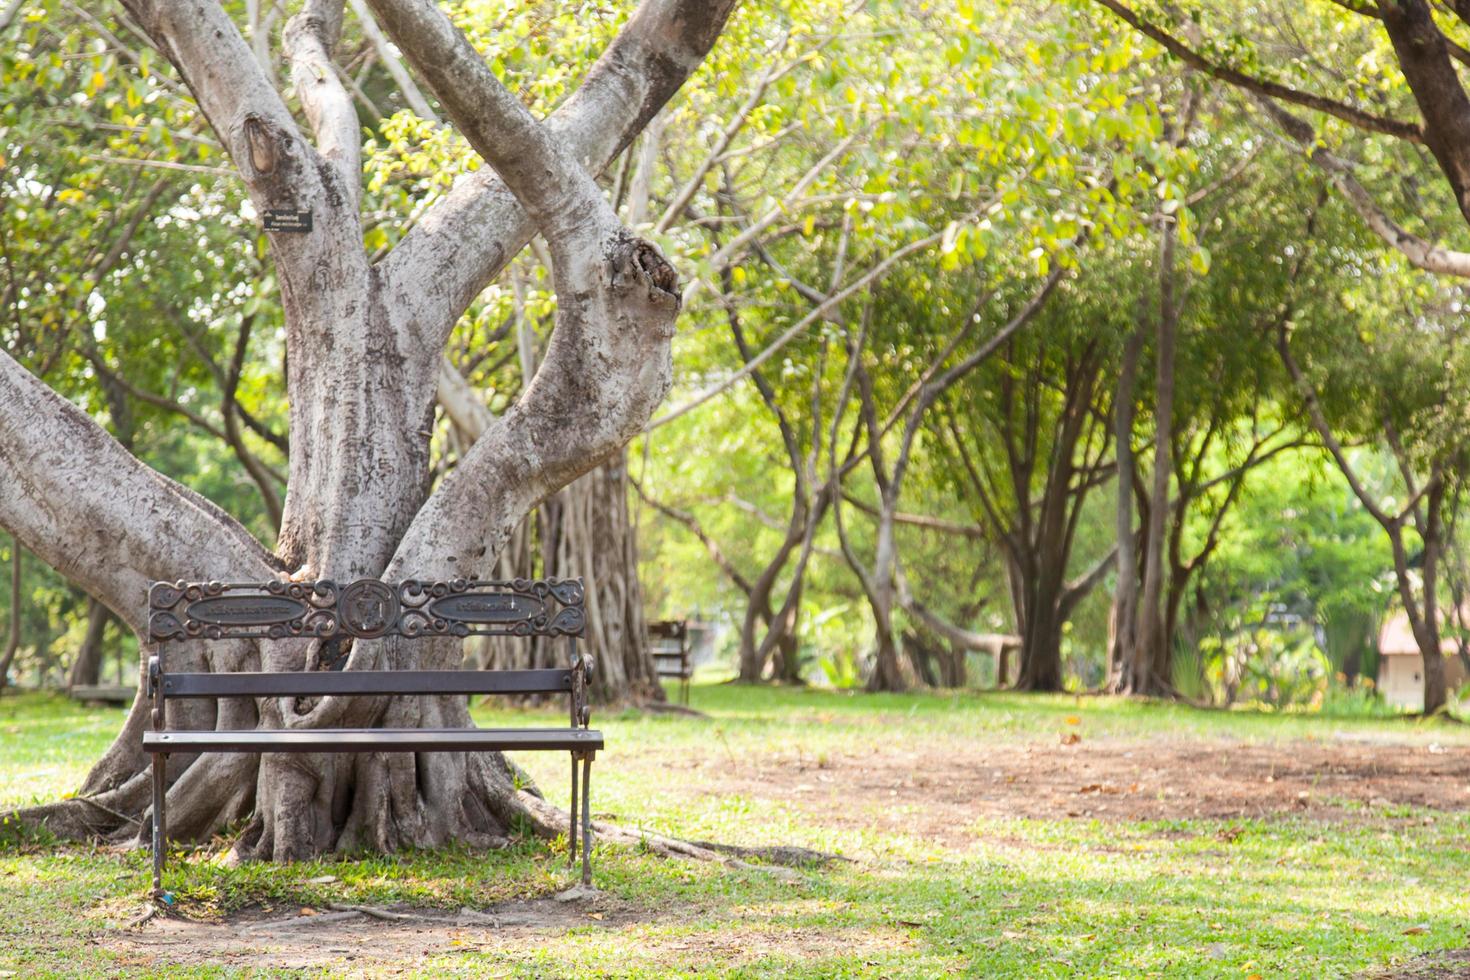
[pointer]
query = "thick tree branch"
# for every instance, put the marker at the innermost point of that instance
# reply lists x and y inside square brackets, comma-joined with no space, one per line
[1424,58]
[246,112]
[88,508]
[607,364]
[309,39]
[1348,113]
[540,168]
[1420,252]
[464,240]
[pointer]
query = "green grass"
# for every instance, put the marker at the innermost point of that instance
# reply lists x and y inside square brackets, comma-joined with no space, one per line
[1286,896]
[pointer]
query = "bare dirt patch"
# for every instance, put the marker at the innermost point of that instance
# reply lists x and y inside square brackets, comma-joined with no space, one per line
[392,941]
[1449,964]
[940,790]
[374,938]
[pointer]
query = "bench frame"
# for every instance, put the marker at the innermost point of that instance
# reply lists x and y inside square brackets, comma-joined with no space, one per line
[369,609]
[672,663]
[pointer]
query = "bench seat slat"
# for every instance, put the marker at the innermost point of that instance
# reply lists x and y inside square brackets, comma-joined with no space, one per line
[350,682]
[375,740]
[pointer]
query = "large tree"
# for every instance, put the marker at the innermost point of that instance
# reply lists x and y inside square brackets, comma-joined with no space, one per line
[365,342]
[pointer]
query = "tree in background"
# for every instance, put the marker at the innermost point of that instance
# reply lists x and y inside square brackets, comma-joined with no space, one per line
[1323,58]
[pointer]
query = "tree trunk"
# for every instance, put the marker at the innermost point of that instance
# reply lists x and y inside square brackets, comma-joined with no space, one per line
[586,530]
[1427,631]
[86,667]
[1151,659]
[1125,597]
[779,629]
[888,672]
[12,637]
[888,669]
[780,647]
[1041,634]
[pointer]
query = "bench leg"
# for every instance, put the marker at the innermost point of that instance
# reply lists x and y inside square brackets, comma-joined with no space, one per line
[572,818]
[160,823]
[587,819]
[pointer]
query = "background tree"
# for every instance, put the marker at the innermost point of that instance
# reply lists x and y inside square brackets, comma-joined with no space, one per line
[1315,100]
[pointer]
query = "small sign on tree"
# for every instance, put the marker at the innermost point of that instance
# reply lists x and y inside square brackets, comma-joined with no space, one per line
[284,219]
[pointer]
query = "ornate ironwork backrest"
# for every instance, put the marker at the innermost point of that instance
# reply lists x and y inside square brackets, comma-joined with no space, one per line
[367,609]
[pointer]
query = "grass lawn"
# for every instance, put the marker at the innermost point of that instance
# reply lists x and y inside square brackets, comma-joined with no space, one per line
[987,835]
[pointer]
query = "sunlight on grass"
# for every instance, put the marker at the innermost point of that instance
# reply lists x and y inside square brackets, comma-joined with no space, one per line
[996,896]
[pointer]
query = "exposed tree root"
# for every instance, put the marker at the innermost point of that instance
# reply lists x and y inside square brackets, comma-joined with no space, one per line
[98,818]
[786,855]
[668,708]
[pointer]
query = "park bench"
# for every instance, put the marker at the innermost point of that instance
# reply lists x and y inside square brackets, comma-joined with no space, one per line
[668,645]
[369,610]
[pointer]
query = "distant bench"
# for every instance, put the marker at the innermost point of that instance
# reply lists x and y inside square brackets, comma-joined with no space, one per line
[668,645]
[108,693]
[369,610]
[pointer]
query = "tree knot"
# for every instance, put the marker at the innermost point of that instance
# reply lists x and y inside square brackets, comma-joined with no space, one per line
[635,260]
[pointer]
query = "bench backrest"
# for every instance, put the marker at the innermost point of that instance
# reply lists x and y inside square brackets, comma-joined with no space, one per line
[669,629]
[368,609]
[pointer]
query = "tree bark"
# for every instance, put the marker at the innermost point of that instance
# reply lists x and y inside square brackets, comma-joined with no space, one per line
[1153,658]
[586,529]
[86,666]
[12,633]
[1125,596]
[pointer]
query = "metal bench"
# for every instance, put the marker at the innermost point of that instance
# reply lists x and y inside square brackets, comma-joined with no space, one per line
[369,610]
[669,647]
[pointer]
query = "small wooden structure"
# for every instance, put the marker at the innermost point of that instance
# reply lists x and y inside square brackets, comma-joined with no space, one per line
[668,645]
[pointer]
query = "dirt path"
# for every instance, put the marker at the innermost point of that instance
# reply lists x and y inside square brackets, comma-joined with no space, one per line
[310,938]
